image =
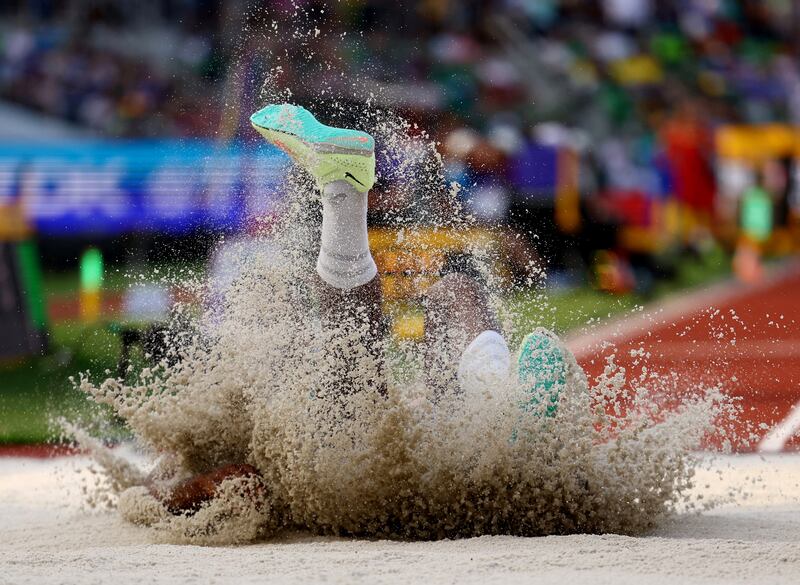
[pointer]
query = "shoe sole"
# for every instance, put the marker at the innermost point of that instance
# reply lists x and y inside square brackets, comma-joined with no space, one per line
[542,367]
[325,161]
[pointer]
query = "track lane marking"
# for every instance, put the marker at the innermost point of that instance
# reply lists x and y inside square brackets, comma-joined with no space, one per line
[776,439]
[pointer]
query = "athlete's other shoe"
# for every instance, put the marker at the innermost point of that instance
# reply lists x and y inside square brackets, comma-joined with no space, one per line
[328,154]
[542,371]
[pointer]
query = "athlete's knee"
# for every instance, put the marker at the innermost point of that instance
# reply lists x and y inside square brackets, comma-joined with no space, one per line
[453,287]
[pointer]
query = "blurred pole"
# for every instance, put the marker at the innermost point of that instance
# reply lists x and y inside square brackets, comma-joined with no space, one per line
[796,28]
[234,13]
[567,197]
[234,42]
[91,271]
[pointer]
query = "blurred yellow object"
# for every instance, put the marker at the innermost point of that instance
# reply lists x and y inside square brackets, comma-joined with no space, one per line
[406,261]
[757,143]
[13,224]
[691,221]
[639,70]
[410,260]
[672,218]
[91,305]
[782,243]
[410,326]
[641,239]
[443,239]
[91,274]
[398,287]
[567,200]
[779,140]
[732,142]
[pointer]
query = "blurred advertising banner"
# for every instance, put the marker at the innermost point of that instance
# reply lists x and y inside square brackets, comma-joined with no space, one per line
[112,187]
[534,171]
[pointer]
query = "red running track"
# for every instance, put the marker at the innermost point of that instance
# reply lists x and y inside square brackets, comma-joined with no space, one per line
[746,338]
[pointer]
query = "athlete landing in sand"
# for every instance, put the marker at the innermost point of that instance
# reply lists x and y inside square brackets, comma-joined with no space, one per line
[464,347]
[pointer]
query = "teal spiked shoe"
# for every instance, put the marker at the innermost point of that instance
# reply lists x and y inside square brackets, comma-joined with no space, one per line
[542,372]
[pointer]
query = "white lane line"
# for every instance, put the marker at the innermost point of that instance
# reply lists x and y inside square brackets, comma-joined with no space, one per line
[776,439]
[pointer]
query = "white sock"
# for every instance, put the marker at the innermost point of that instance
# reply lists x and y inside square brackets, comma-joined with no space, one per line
[344,258]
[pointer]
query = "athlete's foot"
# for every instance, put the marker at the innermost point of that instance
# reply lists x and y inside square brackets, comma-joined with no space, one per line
[542,368]
[191,494]
[328,154]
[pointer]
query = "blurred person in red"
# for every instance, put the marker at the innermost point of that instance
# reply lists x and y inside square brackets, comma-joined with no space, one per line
[689,149]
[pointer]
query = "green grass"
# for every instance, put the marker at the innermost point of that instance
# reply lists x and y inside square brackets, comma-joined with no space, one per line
[713,265]
[34,392]
[563,311]
[67,282]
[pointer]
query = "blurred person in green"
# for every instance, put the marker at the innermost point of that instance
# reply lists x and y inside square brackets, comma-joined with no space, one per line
[756,224]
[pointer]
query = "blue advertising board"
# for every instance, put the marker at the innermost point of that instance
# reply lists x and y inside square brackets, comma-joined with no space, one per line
[114,187]
[533,171]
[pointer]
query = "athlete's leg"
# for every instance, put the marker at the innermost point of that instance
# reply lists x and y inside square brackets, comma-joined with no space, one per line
[349,284]
[466,352]
[189,495]
[342,162]
[462,335]
[349,290]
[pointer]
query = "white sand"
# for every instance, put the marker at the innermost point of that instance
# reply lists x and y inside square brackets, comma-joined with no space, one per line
[46,538]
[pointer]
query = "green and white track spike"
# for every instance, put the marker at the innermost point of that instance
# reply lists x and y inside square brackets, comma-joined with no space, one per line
[542,371]
[328,154]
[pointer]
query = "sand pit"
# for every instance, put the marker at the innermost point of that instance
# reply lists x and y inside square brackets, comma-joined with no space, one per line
[48,538]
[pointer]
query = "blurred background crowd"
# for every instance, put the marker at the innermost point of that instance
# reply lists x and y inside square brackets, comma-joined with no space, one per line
[616,141]
[614,112]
